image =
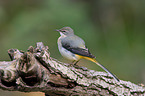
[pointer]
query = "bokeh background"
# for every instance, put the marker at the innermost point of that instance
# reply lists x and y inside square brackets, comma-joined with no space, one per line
[114,31]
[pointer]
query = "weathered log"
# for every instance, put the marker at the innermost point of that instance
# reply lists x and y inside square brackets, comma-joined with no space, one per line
[35,70]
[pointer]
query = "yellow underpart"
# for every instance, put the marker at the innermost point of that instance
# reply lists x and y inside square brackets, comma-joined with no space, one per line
[87,58]
[94,60]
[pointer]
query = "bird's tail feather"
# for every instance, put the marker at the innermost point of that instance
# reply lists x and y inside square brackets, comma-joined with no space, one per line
[103,67]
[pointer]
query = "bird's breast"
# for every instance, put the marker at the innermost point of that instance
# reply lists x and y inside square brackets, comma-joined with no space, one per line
[65,53]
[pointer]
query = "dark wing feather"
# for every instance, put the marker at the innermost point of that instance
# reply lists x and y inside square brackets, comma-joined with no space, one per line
[77,50]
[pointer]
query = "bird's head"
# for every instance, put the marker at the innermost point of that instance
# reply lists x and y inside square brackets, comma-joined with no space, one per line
[66,31]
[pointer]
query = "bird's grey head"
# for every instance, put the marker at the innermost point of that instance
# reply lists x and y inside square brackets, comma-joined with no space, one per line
[66,31]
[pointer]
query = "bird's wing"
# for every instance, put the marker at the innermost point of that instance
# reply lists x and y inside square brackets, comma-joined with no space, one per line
[77,50]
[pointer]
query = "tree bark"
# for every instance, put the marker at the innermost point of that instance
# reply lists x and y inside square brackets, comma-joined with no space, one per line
[35,70]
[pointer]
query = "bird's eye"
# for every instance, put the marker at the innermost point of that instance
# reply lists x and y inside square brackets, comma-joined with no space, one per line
[63,31]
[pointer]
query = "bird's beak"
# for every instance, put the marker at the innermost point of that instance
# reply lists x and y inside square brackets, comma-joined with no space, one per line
[57,30]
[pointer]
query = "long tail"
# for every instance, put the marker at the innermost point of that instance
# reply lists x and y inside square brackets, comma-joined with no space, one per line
[103,67]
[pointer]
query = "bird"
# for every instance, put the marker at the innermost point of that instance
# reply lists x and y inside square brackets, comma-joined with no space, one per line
[73,48]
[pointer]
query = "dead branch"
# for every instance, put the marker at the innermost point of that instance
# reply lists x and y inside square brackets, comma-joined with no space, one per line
[35,70]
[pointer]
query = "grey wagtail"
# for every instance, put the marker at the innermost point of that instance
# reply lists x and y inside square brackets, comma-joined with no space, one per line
[73,48]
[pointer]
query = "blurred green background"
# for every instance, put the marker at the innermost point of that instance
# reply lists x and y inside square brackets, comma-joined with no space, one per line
[114,31]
